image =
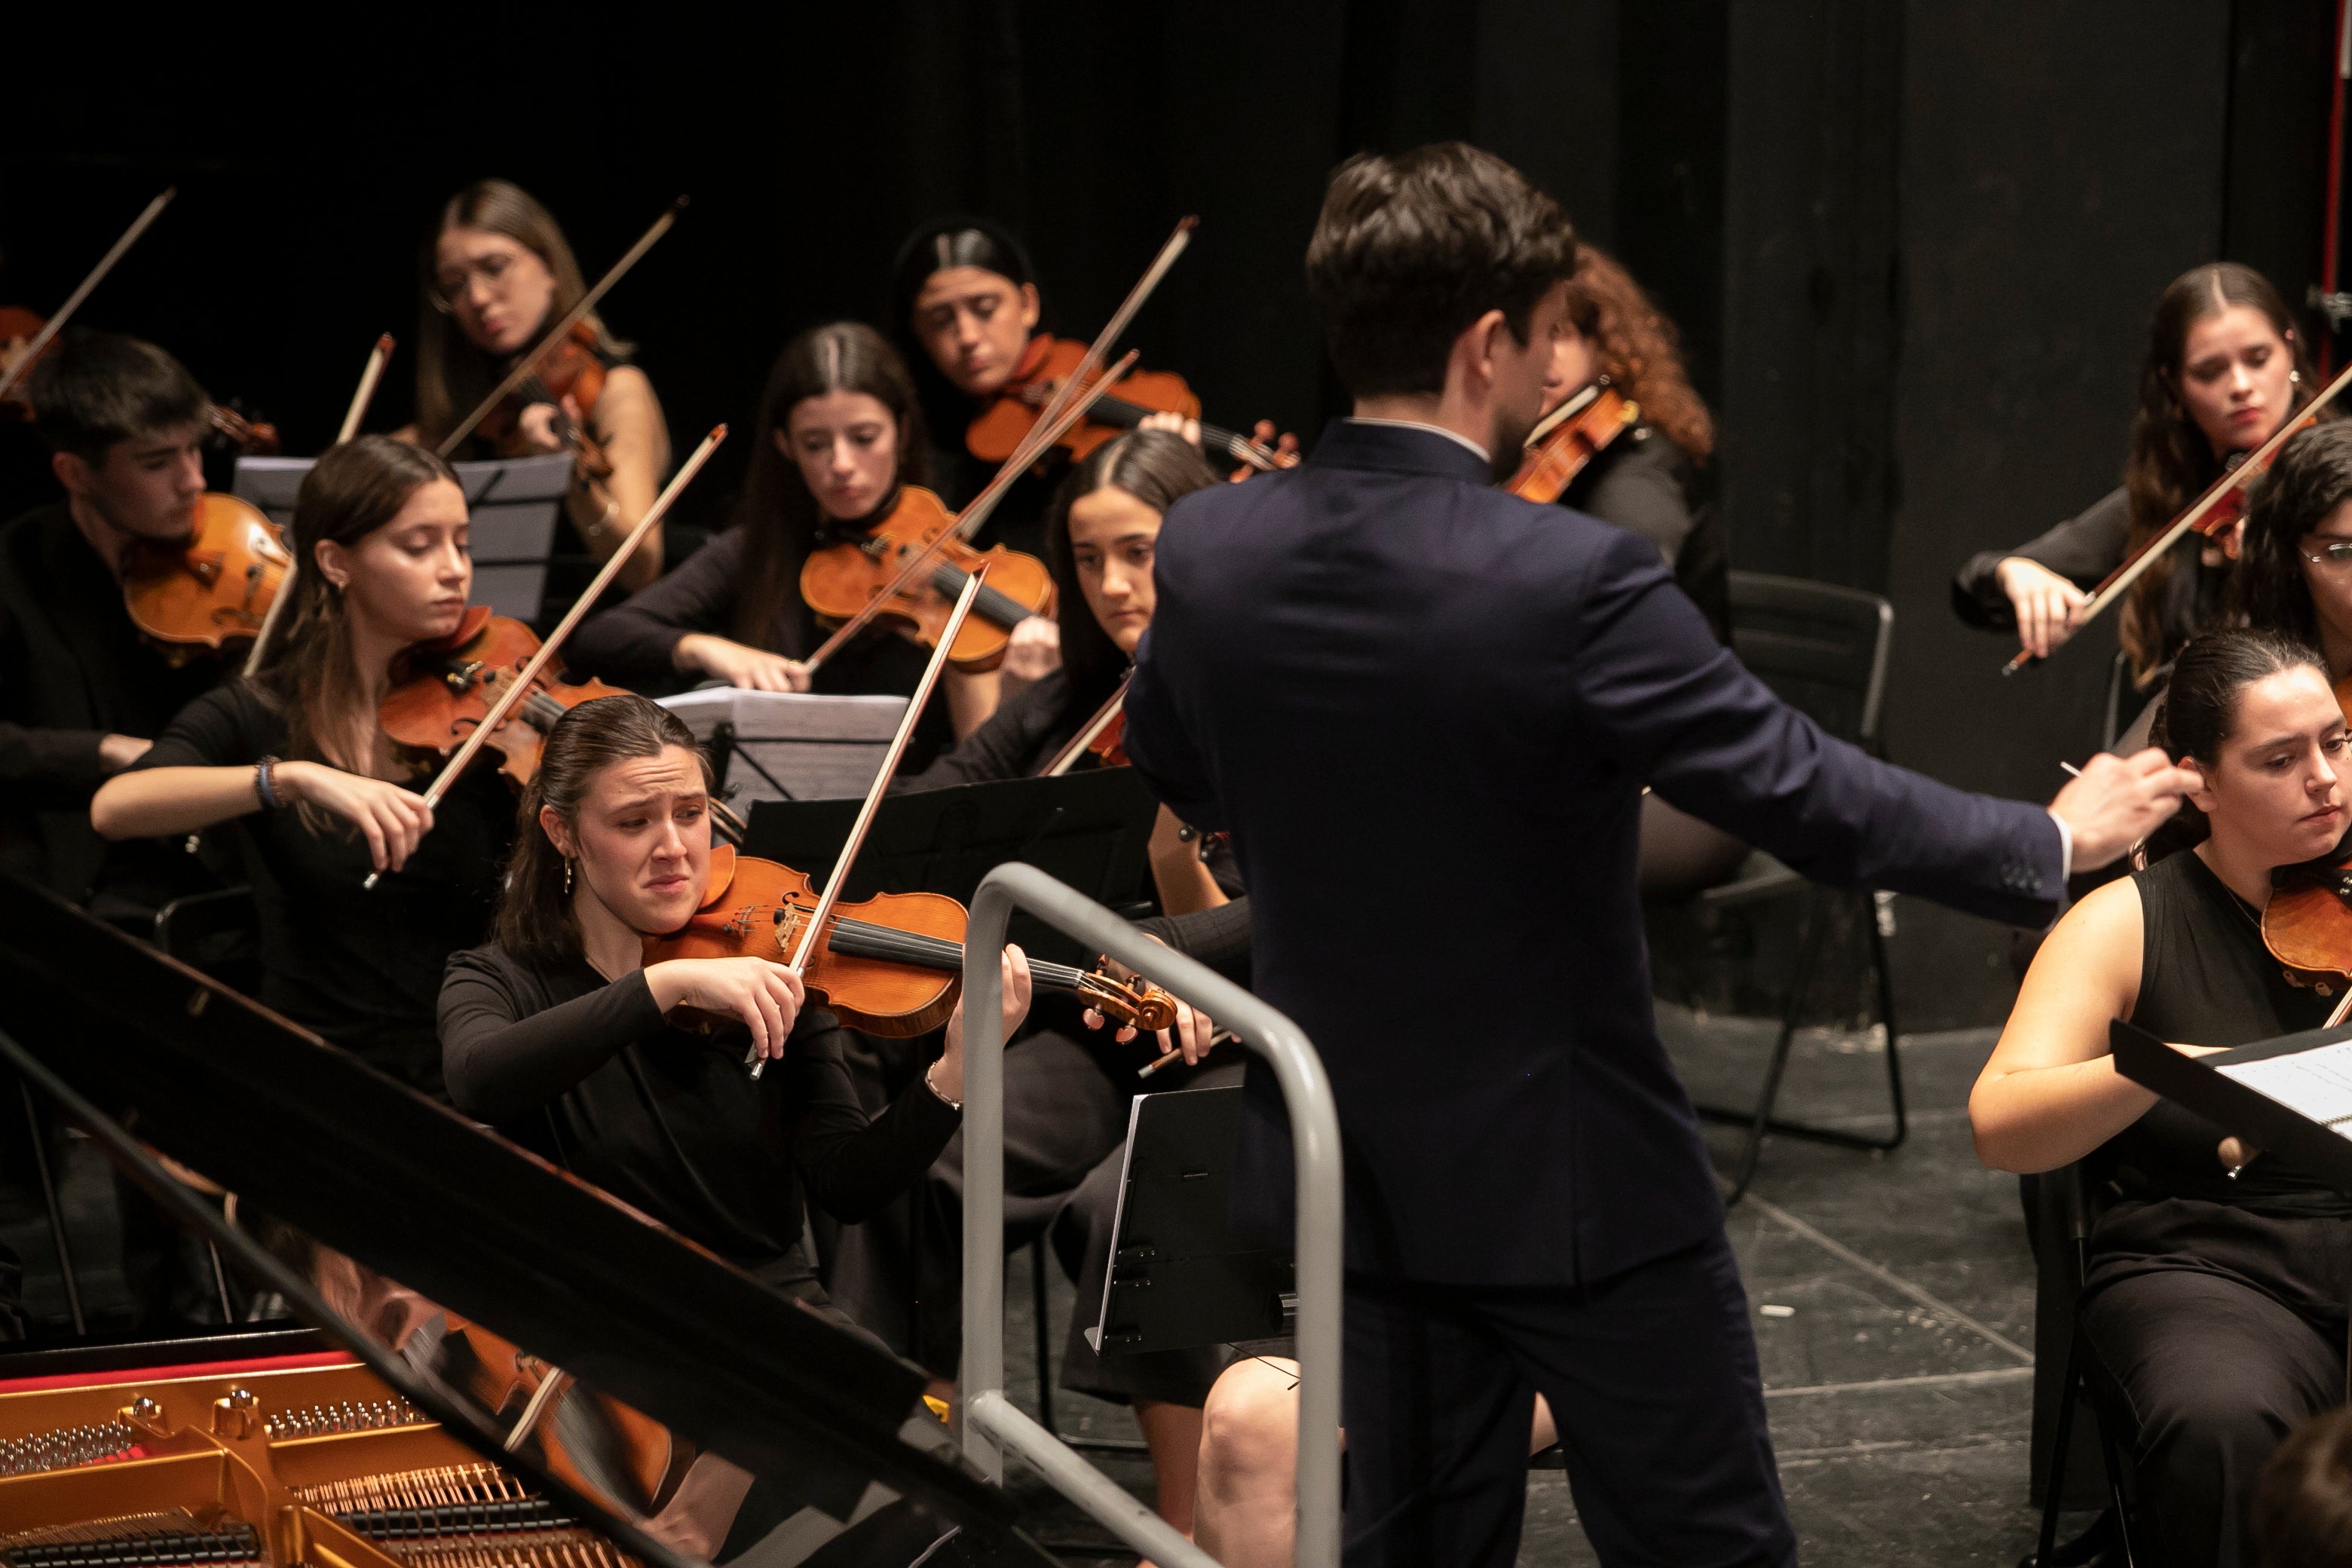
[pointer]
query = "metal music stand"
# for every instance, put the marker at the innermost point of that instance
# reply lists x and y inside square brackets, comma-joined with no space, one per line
[512,502]
[2319,1148]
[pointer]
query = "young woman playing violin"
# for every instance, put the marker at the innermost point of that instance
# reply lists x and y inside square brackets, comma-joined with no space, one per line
[496,274]
[2217,1282]
[297,758]
[2225,368]
[839,434]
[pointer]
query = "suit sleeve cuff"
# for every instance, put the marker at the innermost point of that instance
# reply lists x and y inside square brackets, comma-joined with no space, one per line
[2065,848]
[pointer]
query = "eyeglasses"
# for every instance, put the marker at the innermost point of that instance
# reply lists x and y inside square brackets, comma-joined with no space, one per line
[453,286]
[2332,552]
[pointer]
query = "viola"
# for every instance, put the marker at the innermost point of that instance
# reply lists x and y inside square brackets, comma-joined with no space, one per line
[447,688]
[600,1447]
[841,581]
[1568,438]
[212,589]
[891,964]
[1049,361]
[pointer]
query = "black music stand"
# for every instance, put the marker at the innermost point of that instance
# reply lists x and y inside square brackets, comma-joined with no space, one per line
[1179,1275]
[1090,830]
[2318,1147]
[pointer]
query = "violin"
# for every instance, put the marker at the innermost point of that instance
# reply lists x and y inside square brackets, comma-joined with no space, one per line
[448,687]
[570,368]
[1568,438]
[614,1453]
[1102,737]
[1048,361]
[211,589]
[21,345]
[891,964]
[2307,925]
[841,581]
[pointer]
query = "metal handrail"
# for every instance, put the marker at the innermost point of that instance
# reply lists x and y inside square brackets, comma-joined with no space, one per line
[990,1422]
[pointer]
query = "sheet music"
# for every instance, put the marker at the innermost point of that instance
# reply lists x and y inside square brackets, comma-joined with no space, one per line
[815,746]
[2316,1083]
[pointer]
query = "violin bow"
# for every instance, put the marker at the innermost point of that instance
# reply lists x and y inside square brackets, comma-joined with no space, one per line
[42,339]
[361,398]
[2118,582]
[528,366]
[857,839]
[968,521]
[546,650]
[1099,350]
[1087,734]
[366,393]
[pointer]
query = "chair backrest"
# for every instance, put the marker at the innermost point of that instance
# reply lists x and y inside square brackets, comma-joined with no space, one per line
[1822,648]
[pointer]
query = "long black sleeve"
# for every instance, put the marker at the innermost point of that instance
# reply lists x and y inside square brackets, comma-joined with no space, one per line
[1218,937]
[2083,550]
[500,1060]
[852,1166]
[1015,742]
[632,642]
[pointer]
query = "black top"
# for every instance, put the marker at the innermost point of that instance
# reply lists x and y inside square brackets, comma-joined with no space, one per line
[630,644]
[2206,979]
[1019,741]
[360,967]
[588,1074]
[2083,549]
[1382,612]
[73,670]
[1018,519]
[1644,483]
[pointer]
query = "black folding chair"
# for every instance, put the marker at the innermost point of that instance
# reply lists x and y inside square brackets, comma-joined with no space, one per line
[2058,1208]
[1822,649]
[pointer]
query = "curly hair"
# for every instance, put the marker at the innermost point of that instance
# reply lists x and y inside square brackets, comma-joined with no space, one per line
[2311,477]
[1638,349]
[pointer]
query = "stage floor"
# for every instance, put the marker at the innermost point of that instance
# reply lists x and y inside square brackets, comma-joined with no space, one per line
[1899,1384]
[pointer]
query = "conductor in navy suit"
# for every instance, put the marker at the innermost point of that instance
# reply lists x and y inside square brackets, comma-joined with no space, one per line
[1379,648]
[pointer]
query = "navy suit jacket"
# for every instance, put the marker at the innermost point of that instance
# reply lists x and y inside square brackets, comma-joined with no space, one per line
[1425,710]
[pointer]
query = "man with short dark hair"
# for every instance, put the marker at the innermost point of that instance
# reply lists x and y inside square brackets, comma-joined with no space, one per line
[82,693]
[1379,648]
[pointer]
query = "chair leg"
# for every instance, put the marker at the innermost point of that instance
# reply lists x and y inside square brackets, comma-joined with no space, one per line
[2118,1498]
[33,1126]
[2054,1485]
[1759,1121]
[1045,1336]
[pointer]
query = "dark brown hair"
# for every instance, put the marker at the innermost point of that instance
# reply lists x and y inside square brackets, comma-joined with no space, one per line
[2310,479]
[452,375]
[1409,250]
[1637,348]
[310,677]
[2172,460]
[94,389]
[955,240]
[1156,468]
[2200,709]
[2303,1505]
[535,922]
[779,515]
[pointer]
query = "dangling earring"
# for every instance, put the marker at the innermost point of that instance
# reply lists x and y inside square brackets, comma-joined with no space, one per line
[567,878]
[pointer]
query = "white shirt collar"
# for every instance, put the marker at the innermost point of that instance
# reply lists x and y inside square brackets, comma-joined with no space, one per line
[1454,436]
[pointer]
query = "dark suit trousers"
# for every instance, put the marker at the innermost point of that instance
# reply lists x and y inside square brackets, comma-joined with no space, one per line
[1651,1375]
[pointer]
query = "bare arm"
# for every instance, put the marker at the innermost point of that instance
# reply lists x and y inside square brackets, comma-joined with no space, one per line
[2050,1093]
[629,426]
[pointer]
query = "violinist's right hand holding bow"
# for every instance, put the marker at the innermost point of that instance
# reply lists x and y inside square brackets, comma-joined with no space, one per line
[747,668]
[2044,603]
[766,996]
[153,802]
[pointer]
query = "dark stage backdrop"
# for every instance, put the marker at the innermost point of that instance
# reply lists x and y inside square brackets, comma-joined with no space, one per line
[1911,247]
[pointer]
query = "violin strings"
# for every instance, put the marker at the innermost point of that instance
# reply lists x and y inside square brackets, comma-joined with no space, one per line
[870,940]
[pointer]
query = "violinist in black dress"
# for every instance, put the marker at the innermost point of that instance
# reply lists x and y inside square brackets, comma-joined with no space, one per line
[2213,1303]
[1530,1203]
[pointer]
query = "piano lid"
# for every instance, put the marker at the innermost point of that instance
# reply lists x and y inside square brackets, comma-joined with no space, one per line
[407,1187]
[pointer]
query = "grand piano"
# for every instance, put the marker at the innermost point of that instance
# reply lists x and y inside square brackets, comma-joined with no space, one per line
[406,1425]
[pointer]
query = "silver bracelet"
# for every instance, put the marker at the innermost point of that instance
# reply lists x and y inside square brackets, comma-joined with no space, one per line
[934,1087]
[265,783]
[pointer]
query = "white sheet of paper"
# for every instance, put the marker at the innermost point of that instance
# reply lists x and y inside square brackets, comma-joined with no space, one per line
[819,747]
[2317,1082]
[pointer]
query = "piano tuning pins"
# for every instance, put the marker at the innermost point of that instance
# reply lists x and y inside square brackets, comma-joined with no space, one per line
[66,1446]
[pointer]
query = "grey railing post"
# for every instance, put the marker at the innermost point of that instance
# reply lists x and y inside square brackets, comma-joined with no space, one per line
[990,1425]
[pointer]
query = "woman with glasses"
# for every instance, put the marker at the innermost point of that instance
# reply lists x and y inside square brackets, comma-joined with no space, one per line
[497,273]
[2225,369]
[2295,574]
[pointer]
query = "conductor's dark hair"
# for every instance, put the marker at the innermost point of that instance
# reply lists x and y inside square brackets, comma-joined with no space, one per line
[779,516]
[1157,468]
[2200,709]
[535,922]
[2311,477]
[94,390]
[2171,460]
[2303,1505]
[1409,250]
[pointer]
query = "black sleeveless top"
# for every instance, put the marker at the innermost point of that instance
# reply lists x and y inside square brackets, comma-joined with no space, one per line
[2207,980]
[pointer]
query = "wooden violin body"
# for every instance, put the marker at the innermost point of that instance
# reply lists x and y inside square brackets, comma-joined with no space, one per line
[1048,363]
[758,909]
[213,590]
[1568,438]
[2307,925]
[840,580]
[448,687]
